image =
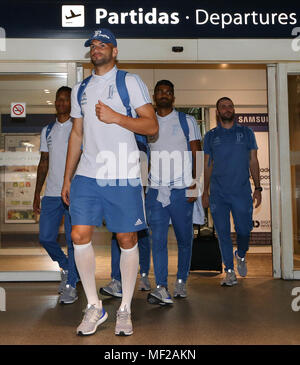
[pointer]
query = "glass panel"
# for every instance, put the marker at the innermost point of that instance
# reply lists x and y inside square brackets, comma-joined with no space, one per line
[294,124]
[198,114]
[19,156]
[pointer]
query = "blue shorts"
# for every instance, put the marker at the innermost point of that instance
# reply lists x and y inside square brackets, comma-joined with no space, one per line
[122,207]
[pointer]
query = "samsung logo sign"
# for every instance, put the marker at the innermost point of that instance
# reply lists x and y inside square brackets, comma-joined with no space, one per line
[253,118]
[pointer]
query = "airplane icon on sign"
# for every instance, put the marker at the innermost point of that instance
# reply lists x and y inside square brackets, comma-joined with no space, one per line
[72,15]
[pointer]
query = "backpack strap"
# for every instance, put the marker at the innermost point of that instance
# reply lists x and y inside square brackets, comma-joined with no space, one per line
[49,128]
[81,89]
[141,140]
[185,128]
[122,90]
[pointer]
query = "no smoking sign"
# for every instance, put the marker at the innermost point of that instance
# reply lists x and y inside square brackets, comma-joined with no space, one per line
[18,110]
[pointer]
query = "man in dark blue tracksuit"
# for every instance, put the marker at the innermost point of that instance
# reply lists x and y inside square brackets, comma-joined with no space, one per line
[230,151]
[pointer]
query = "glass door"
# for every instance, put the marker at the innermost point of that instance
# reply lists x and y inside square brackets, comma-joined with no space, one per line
[22,258]
[294,127]
[289,146]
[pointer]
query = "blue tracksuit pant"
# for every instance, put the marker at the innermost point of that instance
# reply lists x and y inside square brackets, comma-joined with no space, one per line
[181,213]
[52,211]
[144,254]
[240,204]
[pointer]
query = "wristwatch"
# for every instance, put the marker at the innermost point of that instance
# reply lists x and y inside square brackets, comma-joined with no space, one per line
[259,188]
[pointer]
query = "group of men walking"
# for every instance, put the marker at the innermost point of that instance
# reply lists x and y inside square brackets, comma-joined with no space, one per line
[93,166]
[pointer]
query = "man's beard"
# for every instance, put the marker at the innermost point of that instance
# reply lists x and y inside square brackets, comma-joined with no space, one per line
[227,119]
[164,104]
[102,61]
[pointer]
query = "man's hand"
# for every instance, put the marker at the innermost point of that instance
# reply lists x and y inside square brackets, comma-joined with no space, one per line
[257,197]
[36,204]
[106,114]
[65,192]
[192,193]
[205,200]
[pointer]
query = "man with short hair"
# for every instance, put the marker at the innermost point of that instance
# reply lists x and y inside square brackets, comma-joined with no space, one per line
[172,190]
[230,151]
[107,180]
[54,144]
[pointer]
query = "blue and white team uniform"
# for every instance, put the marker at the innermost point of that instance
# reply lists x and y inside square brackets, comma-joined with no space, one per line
[107,181]
[167,199]
[230,190]
[52,206]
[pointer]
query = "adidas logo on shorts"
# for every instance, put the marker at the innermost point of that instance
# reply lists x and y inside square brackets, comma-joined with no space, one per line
[138,222]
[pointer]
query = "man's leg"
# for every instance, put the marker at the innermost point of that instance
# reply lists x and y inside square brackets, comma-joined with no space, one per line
[124,214]
[220,211]
[86,262]
[73,275]
[51,215]
[114,288]
[182,219]
[158,219]
[144,254]
[115,258]
[129,265]
[86,212]
[144,250]
[242,208]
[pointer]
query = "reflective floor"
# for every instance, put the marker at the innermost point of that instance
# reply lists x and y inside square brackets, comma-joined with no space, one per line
[256,311]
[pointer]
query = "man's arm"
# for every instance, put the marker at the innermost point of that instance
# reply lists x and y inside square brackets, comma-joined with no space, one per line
[207,175]
[73,155]
[146,124]
[254,170]
[195,147]
[42,172]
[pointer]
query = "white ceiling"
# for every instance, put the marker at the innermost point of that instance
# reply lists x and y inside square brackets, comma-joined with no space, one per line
[30,89]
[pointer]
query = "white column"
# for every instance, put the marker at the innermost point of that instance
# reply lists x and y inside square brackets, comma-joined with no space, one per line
[274,169]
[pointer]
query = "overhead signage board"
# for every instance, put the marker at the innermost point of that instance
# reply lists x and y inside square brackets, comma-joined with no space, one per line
[150,19]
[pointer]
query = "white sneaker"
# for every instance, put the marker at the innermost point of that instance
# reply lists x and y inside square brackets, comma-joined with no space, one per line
[93,317]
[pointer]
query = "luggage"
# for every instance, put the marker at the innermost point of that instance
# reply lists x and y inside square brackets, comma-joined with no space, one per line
[206,254]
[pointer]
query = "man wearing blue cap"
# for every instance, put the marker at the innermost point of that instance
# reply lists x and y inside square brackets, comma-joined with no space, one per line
[107,180]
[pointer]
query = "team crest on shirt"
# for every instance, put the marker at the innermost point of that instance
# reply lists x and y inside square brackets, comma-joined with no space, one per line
[111,91]
[239,138]
[175,129]
[216,141]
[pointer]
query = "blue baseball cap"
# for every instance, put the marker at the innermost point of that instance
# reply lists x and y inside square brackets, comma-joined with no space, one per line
[103,35]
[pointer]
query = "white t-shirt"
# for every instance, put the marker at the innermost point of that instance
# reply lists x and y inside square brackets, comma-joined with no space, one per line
[170,162]
[57,146]
[109,151]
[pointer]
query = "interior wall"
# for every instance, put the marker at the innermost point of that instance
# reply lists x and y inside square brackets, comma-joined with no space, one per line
[203,87]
